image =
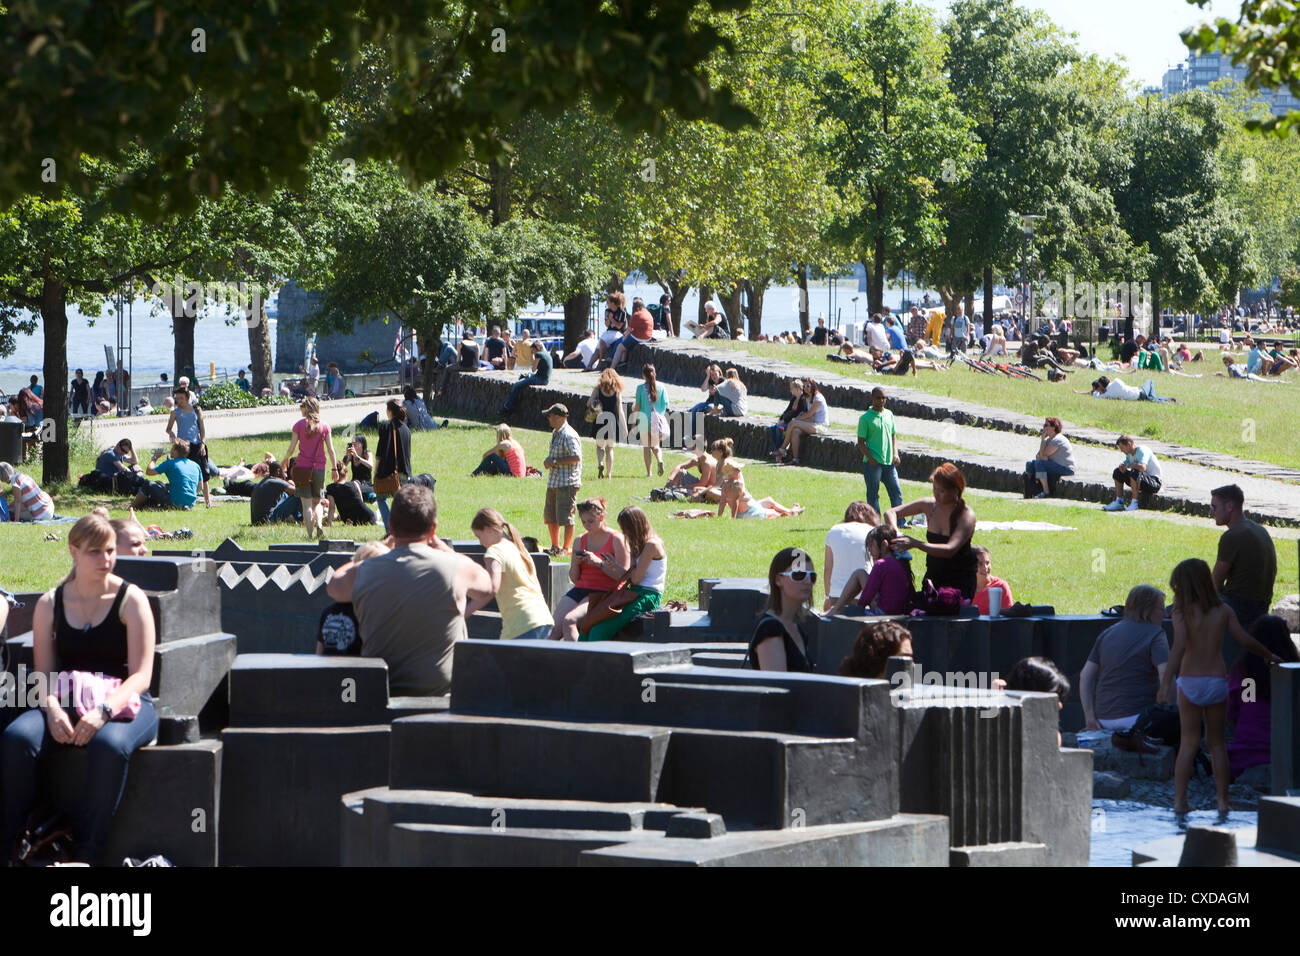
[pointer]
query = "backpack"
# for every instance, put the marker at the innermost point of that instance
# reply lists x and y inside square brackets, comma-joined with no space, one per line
[934,601]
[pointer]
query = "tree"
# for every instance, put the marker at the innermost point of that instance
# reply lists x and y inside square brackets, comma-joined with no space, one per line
[1172,200]
[1266,39]
[261,74]
[897,133]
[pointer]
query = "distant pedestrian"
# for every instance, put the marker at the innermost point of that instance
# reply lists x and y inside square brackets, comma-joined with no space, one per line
[879,451]
[241,380]
[564,463]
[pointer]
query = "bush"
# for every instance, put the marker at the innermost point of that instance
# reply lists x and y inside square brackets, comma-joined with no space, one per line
[230,395]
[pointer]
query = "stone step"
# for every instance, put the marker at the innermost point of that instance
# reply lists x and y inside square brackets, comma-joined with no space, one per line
[307,690]
[1284,691]
[999,854]
[517,757]
[901,840]
[281,787]
[170,804]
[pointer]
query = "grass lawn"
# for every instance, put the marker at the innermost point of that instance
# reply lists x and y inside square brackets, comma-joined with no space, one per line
[1250,420]
[1077,571]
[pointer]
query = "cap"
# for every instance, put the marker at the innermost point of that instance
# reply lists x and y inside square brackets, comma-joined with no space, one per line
[557,409]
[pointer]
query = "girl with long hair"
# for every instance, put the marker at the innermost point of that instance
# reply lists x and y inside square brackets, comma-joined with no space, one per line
[815,421]
[392,452]
[1200,621]
[646,578]
[312,438]
[97,624]
[652,425]
[886,585]
[524,612]
[606,400]
[506,457]
[599,562]
[950,524]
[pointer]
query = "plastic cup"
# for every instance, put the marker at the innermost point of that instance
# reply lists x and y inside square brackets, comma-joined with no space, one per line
[995,602]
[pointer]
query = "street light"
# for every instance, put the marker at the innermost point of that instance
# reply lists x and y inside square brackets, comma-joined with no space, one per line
[855,310]
[1027,221]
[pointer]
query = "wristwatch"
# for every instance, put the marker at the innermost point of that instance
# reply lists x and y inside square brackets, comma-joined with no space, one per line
[106,710]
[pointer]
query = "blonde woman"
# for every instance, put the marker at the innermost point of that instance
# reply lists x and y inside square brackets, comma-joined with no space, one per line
[311,437]
[524,613]
[506,457]
[997,343]
[651,424]
[606,400]
[97,624]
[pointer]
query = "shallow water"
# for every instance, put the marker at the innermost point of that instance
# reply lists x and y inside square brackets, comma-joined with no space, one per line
[1120,825]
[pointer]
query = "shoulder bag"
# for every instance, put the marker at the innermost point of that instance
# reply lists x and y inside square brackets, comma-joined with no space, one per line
[389,484]
[301,475]
[608,605]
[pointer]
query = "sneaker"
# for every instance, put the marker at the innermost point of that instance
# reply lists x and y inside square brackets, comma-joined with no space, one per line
[661,468]
[1042,494]
[1116,505]
[445,423]
[1132,506]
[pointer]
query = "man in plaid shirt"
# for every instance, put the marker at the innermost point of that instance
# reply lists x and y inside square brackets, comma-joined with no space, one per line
[564,462]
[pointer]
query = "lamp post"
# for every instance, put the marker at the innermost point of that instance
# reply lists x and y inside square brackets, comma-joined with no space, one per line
[1027,221]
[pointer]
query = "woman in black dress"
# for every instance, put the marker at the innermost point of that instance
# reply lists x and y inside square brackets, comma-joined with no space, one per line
[392,452]
[950,526]
[96,624]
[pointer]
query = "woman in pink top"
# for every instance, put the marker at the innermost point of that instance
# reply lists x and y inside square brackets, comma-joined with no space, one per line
[600,559]
[888,585]
[506,457]
[311,437]
[984,580]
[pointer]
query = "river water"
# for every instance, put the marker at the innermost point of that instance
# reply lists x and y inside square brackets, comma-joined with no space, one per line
[226,346]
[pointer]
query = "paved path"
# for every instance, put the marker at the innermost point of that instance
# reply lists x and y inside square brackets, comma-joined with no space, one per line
[1181,479]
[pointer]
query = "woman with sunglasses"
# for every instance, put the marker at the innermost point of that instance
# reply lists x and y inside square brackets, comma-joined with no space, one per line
[779,642]
[950,561]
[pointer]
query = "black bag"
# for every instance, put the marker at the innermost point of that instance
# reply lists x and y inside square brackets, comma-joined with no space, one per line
[1160,723]
[43,843]
[935,601]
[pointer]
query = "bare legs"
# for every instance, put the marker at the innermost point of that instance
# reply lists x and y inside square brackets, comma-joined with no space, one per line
[1189,716]
[567,615]
[605,458]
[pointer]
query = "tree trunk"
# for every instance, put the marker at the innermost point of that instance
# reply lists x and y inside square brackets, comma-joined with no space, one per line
[183,351]
[429,343]
[876,294]
[706,296]
[970,306]
[54,317]
[988,300]
[577,317]
[755,317]
[735,313]
[499,201]
[259,350]
[805,322]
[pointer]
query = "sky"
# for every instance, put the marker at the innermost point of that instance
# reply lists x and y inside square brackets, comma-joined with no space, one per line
[1143,32]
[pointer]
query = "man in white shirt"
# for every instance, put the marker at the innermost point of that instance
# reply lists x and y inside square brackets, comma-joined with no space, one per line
[1139,470]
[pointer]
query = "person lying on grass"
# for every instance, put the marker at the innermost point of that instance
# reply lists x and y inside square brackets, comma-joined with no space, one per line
[743,505]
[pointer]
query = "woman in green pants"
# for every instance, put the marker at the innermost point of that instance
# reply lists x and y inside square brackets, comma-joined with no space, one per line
[647,577]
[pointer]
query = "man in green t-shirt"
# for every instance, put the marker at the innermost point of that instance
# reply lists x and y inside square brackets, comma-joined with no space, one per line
[879,451]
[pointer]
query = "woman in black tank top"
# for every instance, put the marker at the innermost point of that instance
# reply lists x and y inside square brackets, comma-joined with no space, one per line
[950,525]
[96,623]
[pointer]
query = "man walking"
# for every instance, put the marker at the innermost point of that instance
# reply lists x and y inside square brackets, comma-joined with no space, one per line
[1246,567]
[564,462]
[410,603]
[960,337]
[1139,470]
[879,452]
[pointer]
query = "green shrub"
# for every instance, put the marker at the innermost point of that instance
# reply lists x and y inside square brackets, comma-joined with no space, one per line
[230,395]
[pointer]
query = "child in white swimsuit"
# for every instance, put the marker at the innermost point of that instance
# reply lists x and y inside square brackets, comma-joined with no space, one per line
[1200,620]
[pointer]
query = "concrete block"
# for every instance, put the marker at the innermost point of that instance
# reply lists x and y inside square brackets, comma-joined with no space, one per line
[1279,824]
[1133,766]
[1209,846]
[307,690]
[188,671]
[171,804]
[513,757]
[999,854]
[696,826]
[423,844]
[1285,728]
[281,788]
[902,840]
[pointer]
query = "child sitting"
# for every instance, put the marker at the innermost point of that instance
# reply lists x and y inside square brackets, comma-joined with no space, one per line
[742,504]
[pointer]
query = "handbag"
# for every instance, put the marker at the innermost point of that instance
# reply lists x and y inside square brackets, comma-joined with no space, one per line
[608,605]
[86,691]
[302,475]
[389,484]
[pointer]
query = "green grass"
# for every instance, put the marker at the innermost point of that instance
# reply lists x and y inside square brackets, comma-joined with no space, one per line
[1078,571]
[1250,420]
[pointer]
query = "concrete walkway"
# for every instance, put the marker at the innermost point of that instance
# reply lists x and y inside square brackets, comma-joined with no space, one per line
[1193,482]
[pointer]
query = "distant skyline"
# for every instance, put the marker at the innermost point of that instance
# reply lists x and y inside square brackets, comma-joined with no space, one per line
[1145,33]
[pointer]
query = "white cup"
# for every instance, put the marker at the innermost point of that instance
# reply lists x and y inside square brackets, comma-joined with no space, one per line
[995,602]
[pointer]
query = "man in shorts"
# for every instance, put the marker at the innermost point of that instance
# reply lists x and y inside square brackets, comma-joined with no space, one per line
[564,464]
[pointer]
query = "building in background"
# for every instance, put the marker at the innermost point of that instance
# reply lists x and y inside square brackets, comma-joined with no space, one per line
[1201,70]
